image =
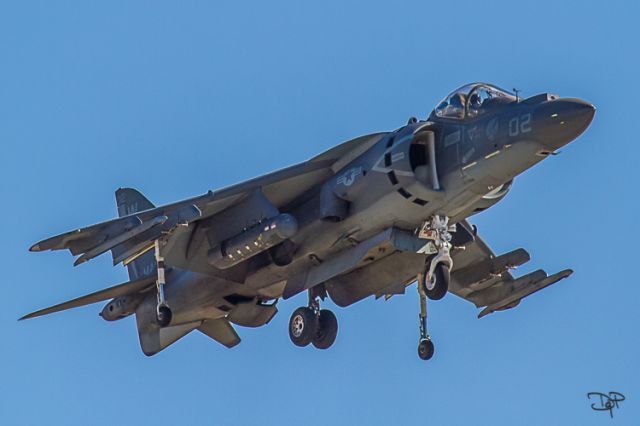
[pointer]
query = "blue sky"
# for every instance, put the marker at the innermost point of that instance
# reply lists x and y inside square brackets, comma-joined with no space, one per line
[176,98]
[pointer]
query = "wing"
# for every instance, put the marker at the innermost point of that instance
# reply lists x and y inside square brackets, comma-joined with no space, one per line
[483,278]
[130,236]
[130,287]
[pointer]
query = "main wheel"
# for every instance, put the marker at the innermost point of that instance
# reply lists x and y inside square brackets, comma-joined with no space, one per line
[425,349]
[440,284]
[327,330]
[302,326]
[163,316]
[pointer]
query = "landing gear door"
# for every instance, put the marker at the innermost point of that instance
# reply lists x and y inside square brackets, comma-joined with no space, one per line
[468,151]
[450,139]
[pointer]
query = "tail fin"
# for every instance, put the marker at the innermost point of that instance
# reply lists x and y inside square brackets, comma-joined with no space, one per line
[130,201]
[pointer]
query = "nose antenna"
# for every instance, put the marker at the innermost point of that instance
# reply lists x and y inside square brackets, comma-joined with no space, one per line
[517,91]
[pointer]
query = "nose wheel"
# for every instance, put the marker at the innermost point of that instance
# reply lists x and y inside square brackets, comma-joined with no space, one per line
[163,315]
[313,325]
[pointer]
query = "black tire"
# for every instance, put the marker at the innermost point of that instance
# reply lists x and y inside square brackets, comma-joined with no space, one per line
[302,326]
[441,286]
[163,316]
[327,330]
[426,349]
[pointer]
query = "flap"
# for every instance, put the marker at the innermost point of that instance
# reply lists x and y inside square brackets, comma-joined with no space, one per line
[521,290]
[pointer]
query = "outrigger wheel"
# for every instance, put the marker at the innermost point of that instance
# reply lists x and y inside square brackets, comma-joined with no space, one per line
[163,316]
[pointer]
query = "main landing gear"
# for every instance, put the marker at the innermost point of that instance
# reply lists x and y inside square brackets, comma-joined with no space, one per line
[433,281]
[163,312]
[313,325]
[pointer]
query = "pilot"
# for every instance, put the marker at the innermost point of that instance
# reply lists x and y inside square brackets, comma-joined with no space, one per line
[474,103]
[456,105]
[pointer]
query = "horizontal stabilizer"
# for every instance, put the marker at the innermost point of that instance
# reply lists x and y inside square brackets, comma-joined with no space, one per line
[527,288]
[108,293]
[221,331]
[154,338]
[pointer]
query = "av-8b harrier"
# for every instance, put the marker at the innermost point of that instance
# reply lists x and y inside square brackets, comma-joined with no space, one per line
[367,218]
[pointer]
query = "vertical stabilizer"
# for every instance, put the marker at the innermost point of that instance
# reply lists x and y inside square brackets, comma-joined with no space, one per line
[130,201]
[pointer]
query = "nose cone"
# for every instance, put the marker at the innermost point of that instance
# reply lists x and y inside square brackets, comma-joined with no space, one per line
[560,121]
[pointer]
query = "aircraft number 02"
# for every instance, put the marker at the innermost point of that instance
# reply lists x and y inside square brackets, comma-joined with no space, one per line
[520,124]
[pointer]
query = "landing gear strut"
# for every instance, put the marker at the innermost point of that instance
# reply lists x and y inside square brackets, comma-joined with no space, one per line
[163,312]
[313,325]
[433,282]
[436,274]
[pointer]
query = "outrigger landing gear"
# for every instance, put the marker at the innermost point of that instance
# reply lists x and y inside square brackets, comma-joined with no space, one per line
[312,324]
[163,312]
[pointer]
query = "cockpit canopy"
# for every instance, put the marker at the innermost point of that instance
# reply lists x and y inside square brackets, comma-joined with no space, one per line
[472,100]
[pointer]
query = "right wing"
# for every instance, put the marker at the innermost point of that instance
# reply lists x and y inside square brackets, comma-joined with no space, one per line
[130,287]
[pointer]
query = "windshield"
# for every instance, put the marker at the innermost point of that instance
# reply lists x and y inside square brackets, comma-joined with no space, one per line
[472,100]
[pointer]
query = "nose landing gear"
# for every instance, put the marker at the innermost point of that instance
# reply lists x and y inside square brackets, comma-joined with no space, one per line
[313,325]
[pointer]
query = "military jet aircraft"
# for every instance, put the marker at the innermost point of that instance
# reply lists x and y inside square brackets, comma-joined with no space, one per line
[366,218]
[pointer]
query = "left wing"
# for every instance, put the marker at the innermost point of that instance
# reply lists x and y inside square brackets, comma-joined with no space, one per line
[483,278]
